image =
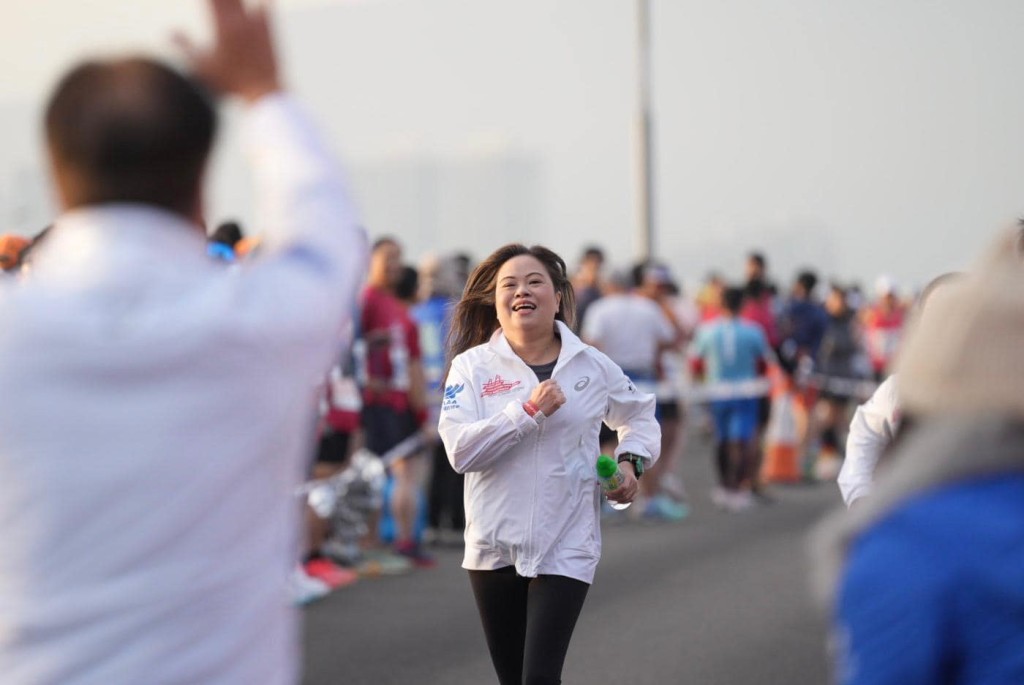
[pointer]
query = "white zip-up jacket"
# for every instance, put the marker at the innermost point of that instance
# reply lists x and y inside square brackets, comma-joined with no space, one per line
[532,496]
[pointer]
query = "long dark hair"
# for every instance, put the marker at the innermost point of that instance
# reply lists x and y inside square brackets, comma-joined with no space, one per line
[475,318]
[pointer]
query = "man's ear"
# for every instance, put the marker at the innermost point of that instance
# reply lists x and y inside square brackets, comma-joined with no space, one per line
[197,214]
[61,183]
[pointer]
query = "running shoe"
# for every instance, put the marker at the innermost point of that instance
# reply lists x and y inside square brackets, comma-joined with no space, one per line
[672,509]
[827,466]
[346,554]
[333,575]
[304,589]
[382,562]
[739,501]
[663,508]
[415,554]
[720,497]
[672,485]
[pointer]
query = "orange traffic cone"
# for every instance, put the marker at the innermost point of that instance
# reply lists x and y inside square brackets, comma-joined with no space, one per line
[782,436]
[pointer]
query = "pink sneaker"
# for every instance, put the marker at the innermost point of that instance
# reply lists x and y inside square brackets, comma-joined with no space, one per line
[326,570]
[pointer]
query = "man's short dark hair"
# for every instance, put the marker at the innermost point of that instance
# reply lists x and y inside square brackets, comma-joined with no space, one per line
[383,241]
[228,233]
[809,281]
[408,284]
[130,130]
[637,273]
[732,299]
[593,252]
[757,258]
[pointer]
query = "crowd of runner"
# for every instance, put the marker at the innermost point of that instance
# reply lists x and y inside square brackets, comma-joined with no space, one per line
[772,373]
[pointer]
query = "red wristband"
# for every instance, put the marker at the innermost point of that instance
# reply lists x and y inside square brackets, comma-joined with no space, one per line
[531,408]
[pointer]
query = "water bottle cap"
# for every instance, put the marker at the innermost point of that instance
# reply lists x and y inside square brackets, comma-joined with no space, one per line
[606,466]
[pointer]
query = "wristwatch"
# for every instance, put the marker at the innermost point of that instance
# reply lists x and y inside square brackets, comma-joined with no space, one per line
[636,460]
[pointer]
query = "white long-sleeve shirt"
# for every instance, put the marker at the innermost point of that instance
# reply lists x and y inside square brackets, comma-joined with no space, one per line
[156,412]
[532,496]
[873,427]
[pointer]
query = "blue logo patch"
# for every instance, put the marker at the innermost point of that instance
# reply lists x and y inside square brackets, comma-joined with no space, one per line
[450,399]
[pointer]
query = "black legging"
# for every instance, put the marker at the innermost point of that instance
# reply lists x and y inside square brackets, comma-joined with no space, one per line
[528,622]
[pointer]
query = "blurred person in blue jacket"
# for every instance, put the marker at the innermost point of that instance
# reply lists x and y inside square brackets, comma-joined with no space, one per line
[926,579]
[440,287]
[802,324]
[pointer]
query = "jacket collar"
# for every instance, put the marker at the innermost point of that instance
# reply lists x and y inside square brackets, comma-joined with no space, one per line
[571,345]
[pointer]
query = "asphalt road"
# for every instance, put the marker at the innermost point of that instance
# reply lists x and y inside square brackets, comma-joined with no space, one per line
[715,599]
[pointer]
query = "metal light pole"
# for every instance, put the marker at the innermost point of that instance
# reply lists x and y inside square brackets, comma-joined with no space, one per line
[643,141]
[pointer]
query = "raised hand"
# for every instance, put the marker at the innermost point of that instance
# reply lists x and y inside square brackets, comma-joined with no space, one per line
[548,396]
[242,60]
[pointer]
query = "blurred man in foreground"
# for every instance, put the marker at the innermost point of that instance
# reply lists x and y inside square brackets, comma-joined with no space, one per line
[157,409]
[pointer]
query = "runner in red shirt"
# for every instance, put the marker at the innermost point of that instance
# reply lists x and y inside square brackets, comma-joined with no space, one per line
[394,390]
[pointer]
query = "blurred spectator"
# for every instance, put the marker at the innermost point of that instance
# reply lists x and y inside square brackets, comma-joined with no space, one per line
[632,330]
[926,578]
[222,242]
[730,352]
[407,290]
[757,268]
[855,298]
[883,322]
[758,308]
[440,288]
[155,415]
[246,247]
[587,281]
[394,399]
[463,266]
[838,364]
[803,323]
[227,233]
[709,298]
[674,385]
[662,485]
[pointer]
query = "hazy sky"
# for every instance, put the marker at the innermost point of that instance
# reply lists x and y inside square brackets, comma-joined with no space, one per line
[864,137]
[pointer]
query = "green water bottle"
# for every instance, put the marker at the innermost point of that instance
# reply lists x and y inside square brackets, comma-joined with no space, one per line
[611,478]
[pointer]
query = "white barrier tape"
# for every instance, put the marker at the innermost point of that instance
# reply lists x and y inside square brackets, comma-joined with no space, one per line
[726,390]
[853,388]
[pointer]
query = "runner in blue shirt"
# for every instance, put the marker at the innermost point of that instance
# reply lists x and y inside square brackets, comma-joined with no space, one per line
[731,351]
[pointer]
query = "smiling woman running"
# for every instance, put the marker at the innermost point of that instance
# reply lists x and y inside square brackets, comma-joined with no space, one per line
[524,402]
